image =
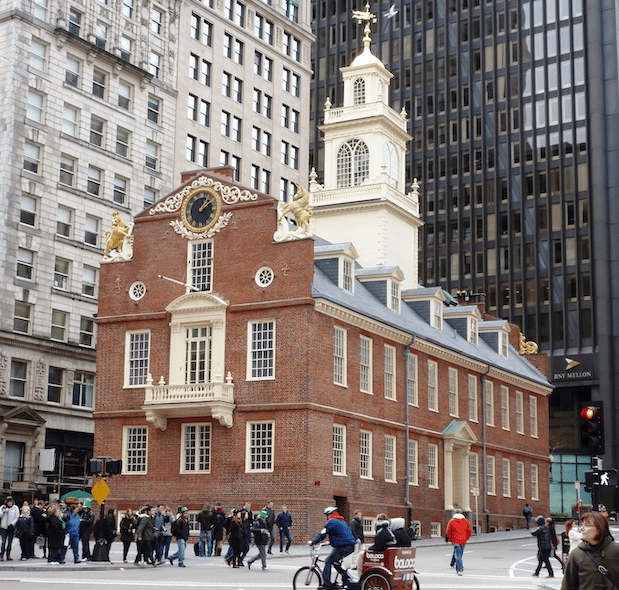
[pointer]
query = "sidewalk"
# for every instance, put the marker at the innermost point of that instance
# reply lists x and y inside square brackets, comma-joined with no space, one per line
[295,551]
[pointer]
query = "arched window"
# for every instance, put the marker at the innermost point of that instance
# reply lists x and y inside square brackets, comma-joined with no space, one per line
[353,163]
[359,91]
[391,157]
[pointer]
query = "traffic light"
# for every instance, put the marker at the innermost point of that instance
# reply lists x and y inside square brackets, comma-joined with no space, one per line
[592,428]
[95,466]
[114,467]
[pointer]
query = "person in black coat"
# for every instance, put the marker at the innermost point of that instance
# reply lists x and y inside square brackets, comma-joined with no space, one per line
[235,537]
[56,532]
[87,523]
[402,538]
[544,546]
[39,516]
[219,518]
[110,527]
[24,531]
[146,534]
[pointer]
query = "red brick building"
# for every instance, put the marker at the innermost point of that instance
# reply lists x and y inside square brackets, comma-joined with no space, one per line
[234,367]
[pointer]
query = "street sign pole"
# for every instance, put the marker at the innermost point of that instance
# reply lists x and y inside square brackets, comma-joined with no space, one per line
[475,492]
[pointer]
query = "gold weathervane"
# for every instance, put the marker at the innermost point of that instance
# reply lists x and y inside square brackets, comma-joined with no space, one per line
[368,18]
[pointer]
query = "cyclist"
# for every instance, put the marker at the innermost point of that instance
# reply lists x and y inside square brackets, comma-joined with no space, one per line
[342,541]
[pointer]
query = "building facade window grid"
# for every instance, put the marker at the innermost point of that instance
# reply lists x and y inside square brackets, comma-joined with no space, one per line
[339,449]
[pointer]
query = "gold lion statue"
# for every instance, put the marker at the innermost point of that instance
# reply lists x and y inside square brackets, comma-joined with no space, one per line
[115,238]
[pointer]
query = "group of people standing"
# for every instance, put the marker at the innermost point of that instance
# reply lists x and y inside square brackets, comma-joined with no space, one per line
[55,527]
[239,526]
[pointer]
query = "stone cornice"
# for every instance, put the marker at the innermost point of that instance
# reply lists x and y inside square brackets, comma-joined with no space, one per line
[363,322]
[520,382]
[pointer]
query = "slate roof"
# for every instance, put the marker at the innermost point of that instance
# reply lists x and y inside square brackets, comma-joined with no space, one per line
[364,303]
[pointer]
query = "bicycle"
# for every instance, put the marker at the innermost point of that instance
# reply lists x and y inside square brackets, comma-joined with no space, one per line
[310,576]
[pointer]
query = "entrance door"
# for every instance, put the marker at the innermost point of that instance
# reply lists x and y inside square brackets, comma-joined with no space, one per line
[13,462]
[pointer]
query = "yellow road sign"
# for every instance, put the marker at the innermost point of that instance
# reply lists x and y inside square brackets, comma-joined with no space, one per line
[100,491]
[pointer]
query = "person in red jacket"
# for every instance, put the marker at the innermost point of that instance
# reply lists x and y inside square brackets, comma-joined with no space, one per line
[458,532]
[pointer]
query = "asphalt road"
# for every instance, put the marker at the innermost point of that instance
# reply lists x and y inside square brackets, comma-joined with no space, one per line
[504,561]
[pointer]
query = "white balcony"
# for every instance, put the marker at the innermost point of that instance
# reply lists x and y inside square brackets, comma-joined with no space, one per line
[214,399]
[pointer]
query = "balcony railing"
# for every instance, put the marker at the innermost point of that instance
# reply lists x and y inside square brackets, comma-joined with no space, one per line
[214,399]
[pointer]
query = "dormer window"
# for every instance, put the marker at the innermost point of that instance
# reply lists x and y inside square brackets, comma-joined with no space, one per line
[473,331]
[395,296]
[437,315]
[353,163]
[503,344]
[347,275]
[359,91]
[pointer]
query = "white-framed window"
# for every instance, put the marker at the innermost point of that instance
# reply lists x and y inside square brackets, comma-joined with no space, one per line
[390,442]
[433,466]
[70,123]
[123,141]
[489,401]
[413,462]
[437,315]
[196,454]
[28,214]
[507,478]
[99,83]
[435,529]
[32,157]
[473,331]
[198,353]
[34,106]
[395,296]
[150,196]
[126,48]
[534,482]
[125,92]
[22,318]
[59,325]
[153,109]
[505,407]
[135,449]
[365,364]
[359,91]
[339,356]
[473,398]
[490,476]
[19,378]
[155,64]
[38,55]
[120,189]
[64,222]
[261,353]
[152,155]
[91,230]
[473,470]
[156,20]
[453,392]
[520,479]
[62,272]
[339,449]
[72,71]
[95,179]
[87,332]
[260,446]
[519,412]
[68,169]
[97,132]
[83,389]
[25,264]
[55,384]
[365,454]
[201,264]
[389,372]
[347,275]
[533,415]
[137,356]
[412,392]
[433,386]
[353,163]
[503,344]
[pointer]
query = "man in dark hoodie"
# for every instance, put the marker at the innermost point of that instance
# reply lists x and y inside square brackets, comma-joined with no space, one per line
[544,545]
[205,520]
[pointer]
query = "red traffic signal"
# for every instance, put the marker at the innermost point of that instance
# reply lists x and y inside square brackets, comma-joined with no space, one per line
[592,428]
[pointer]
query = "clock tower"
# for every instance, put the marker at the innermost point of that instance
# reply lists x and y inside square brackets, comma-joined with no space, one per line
[363,199]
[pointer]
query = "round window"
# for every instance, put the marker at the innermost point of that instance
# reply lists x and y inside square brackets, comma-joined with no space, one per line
[264,276]
[137,290]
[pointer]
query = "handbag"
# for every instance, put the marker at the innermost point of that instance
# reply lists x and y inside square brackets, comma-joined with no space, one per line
[66,540]
[602,570]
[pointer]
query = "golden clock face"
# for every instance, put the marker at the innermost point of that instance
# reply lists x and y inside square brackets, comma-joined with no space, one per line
[201,210]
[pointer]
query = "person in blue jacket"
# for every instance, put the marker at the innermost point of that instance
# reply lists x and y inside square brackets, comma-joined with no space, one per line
[342,541]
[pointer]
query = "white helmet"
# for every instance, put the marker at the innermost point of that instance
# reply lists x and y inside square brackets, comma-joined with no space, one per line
[330,510]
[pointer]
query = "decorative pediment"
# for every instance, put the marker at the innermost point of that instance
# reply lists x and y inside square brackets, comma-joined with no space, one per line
[459,431]
[191,302]
[22,415]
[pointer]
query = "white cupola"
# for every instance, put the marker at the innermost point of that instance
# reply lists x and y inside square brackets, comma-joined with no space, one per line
[363,198]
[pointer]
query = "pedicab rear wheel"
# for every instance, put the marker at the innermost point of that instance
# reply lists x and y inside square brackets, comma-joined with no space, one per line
[375,581]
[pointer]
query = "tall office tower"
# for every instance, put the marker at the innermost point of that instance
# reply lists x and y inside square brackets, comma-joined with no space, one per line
[87,129]
[244,85]
[513,106]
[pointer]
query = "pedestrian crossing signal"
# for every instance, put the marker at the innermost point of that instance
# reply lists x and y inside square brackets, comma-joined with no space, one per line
[592,428]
